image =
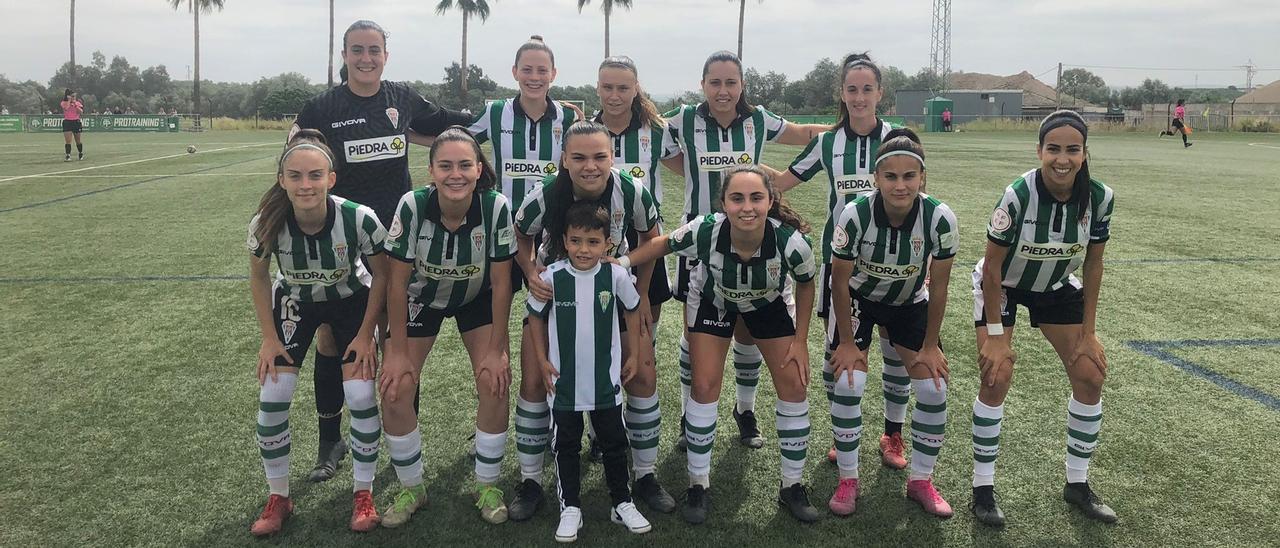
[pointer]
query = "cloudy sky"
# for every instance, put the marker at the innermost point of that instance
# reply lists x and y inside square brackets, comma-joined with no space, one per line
[669,39]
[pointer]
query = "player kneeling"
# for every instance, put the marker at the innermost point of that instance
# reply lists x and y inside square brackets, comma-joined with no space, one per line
[318,241]
[586,373]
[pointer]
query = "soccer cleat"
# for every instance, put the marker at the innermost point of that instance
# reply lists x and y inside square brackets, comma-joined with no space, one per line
[278,509]
[984,506]
[891,449]
[570,524]
[492,508]
[628,515]
[1082,497]
[81,156]
[329,455]
[796,500]
[404,505]
[697,502]
[595,453]
[845,499]
[924,493]
[682,443]
[648,489]
[831,454]
[527,502]
[364,516]
[1186,145]
[748,430]
[67,159]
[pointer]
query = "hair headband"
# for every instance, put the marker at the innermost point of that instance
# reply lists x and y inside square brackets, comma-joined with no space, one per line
[881,157]
[296,147]
[1068,118]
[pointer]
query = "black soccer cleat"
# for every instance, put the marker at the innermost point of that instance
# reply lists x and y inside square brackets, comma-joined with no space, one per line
[748,429]
[796,500]
[1082,497]
[328,457]
[648,489]
[528,500]
[984,506]
[697,503]
[682,443]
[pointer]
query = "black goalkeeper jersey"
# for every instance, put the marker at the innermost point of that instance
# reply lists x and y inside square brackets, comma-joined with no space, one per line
[369,142]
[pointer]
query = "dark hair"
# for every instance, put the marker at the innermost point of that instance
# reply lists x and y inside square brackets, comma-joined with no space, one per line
[1080,188]
[458,134]
[587,216]
[729,57]
[900,139]
[853,61]
[642,107]
[274,206]
[67,94]
[534,43]
[779,210]
[364,24]
[342,74]
[1179,102]
[559,194]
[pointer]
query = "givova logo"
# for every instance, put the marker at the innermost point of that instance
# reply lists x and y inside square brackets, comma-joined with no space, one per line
[719,161]
[1049,251]
[315,277]
[377,148]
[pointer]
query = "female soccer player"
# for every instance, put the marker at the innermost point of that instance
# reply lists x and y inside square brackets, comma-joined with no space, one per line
[367,120]
[318,241]
[882,244]
[454,242]
[846,152]
[585,174]
[71,124]
[745,255]
[1050,221]
[1179,124]
[721,132]
[583,373]
[640,145]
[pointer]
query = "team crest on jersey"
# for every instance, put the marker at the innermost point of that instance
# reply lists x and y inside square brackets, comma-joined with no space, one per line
[604,297]
[394,115]
[287,329]
[749,127]
[414,309]
[917,245]
[775,272]
[478,239]
[840,238]
[396,228]
[644,142]
[1000,220]
[252,242]
[340,252]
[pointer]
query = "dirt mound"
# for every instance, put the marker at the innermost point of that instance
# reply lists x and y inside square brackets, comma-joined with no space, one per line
[1035,93]
[1269,93]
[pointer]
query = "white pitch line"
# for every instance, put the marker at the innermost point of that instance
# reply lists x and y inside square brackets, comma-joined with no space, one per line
[134,176]
[54,173]
[1264,145]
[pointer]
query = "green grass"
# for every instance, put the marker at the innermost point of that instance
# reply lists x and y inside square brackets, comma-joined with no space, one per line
[128,343]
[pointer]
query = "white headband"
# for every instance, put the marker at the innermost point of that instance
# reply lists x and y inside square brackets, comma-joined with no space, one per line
[881,157]
[296,147]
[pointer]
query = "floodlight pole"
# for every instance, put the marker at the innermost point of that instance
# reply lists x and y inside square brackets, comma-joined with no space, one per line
[940,50]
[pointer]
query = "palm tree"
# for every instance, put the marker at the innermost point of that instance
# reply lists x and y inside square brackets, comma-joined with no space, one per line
[479,8]
[329,74]
[607,7]
[195,7]
[742,17]
[73,41]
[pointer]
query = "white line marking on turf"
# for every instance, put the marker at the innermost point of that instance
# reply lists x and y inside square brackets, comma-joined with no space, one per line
[35,175]
[1264,145]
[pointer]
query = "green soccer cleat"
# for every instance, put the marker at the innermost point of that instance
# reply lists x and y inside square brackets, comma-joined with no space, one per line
[408,501]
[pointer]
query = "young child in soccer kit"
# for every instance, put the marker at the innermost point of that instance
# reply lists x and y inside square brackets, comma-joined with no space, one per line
[580,372]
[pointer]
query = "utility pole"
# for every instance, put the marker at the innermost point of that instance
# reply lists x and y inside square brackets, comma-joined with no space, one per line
[940,41]
[1058,91]
[1249,70]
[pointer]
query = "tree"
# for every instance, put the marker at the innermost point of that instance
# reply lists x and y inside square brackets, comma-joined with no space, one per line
[891,80]
[195,7]
[73,40]
[121,78]
[156,81]
[607,7]
[1082,84]
[765,89]
[742,18]
[284,101]
[329,74]
[813,94]
[478,8]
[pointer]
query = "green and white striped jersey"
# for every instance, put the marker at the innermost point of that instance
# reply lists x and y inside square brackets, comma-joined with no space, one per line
[735,285]
[524,150]
[1046,245]
[582,332]
[849,161]
[889,261]
[325,266]
[450,267]
[710,149]
[639,150]
[629,204]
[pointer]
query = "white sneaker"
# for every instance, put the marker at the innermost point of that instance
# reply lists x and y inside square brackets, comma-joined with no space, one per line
[627,514]
[570,524]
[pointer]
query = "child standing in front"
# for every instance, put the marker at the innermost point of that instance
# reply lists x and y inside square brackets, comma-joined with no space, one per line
[578,346]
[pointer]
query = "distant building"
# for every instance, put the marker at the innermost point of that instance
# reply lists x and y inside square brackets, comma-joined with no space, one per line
[970,104]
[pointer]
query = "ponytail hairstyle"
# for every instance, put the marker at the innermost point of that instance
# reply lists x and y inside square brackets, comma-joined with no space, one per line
[728,56]
[274,207]
[853,61]
[1080,188]
[779,210]
[559,194]
[342,74]
[584,215]
[535,43]
[458,134]
[642,107]
[899,142]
